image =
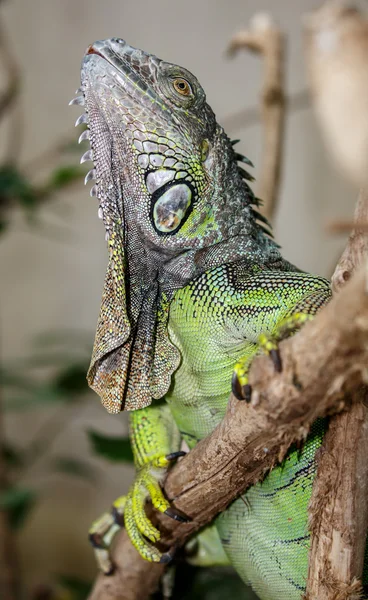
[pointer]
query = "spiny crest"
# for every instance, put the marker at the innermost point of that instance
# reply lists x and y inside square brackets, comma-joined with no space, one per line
[254,200]
[85,136]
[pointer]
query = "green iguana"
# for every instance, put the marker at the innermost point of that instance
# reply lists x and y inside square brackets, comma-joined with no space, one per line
[195,288]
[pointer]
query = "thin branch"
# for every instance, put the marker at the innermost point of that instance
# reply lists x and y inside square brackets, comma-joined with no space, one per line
[11,91]
[346,225]
[266,39]
[321,365]
[10,99]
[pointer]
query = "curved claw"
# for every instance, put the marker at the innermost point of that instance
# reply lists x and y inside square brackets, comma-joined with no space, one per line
[276,359]
[117,516]
[173,513]
[247,391]
[236,388]
[130,511]
[175,455]
[241,392]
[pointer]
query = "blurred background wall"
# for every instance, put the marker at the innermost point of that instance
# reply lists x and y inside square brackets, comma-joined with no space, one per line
[51,277]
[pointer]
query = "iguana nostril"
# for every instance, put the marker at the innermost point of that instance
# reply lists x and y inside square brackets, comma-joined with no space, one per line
[118,40]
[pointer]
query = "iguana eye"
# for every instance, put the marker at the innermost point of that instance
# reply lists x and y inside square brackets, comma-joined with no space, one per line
[182,86]
[171,207]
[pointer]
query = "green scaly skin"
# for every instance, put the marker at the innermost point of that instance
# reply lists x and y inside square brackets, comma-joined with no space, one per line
[194,288]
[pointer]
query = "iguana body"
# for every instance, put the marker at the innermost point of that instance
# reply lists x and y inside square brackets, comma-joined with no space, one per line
[192,283]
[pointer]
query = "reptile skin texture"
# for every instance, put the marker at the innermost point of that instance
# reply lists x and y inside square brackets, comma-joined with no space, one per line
[195,288]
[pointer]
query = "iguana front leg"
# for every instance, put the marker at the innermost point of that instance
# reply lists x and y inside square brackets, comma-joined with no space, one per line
[268,341]
[155,441]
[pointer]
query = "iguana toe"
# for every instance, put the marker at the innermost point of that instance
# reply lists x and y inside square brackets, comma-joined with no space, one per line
[241,392]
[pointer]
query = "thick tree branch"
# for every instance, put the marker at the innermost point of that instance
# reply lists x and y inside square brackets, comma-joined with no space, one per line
[339,508]
[339,503]
[321,365]
[266,39]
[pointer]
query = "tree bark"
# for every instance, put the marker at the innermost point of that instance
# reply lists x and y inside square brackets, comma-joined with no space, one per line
[339,503]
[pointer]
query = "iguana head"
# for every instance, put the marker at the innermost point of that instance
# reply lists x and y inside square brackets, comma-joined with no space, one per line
[173,203]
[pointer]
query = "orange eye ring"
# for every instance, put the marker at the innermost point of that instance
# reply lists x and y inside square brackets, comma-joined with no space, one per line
[182,86]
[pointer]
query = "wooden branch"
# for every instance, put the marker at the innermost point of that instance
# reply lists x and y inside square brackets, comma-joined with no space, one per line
[9,567]
[12,72]
[321,365]
[345,226]
[336,50]
[133,579]
[265,38]
[339,508]
[357,247]
[339,504]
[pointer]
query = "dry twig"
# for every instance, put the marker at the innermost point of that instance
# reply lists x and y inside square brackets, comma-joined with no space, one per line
[9,97]
[322,364]
[265,38]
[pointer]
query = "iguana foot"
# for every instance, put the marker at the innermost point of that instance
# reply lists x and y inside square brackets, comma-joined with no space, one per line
[129,510]
[267,343]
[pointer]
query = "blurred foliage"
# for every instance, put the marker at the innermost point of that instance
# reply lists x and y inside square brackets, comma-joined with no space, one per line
[76,588]
[17,501]
[18,191]
[116,449]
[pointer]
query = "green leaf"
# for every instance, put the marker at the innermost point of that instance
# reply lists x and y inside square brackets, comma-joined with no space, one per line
[12,455]
[18,502]
[14,186]
[65,175]
[71,380]
[117,449]
[43,394]
[74,467]
[77,587]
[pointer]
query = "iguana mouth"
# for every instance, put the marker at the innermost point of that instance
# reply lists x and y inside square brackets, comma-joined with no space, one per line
[117,53]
